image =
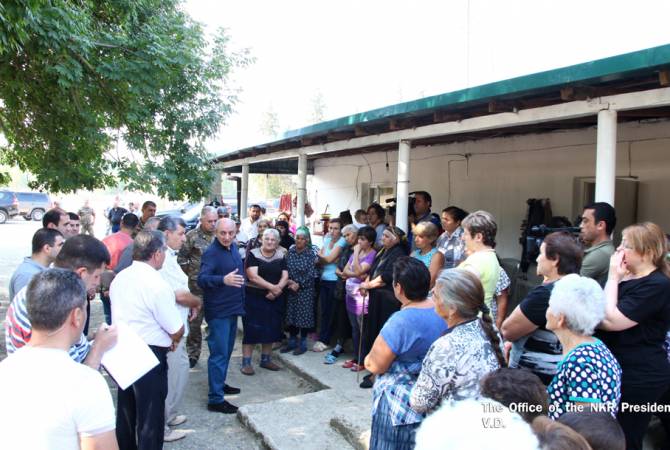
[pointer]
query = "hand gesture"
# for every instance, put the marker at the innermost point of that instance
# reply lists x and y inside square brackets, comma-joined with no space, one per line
[233,279]
[193,313]
[618,268]
[270,296]
[292,285]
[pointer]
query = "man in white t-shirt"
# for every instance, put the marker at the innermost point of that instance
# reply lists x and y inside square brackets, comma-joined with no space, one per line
[249,224]
[49,400]
[178,366]
[145,302]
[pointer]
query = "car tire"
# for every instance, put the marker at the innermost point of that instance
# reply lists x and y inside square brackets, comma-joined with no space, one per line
[26,217]
[37,214]
[4,216]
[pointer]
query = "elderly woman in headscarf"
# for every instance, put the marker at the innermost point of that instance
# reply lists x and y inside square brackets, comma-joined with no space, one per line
[301,263]
[382,302]
[286,240]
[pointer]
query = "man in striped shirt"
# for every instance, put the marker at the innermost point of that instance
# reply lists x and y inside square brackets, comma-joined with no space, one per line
[86,256]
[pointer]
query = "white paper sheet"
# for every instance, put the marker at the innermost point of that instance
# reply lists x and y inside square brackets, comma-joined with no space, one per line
[129,359]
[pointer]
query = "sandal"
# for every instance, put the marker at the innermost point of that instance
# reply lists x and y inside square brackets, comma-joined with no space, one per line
[357,367]
[349,364]
[331,357]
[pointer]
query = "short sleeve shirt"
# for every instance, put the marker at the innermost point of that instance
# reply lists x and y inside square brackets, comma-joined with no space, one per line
[269,269]
[486,265]
[410,332]
[639,349]
[588,374]
[542,351]
[328,272]
[50,401]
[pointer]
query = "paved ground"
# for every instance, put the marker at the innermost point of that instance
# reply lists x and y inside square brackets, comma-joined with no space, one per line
[305,405]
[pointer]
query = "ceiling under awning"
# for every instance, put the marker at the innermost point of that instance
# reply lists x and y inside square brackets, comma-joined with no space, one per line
[644,70]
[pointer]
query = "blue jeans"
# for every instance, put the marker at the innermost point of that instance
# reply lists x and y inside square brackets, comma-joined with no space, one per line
[326,297]
[220,340]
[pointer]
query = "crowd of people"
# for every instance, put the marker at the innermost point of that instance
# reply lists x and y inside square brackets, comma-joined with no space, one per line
[423,311]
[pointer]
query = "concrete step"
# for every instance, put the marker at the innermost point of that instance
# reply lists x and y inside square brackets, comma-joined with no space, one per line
[300,422]
[336,416]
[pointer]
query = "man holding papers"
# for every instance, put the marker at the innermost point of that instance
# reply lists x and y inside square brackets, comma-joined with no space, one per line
[145,302]
[50,401]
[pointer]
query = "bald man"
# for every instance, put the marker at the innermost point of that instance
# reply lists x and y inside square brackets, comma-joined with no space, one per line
[222,282]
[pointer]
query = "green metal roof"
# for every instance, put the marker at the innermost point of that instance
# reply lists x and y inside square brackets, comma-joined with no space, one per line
[602,70]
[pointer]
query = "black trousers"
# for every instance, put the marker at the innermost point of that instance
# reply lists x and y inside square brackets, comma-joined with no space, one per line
[140,413]
[634,424]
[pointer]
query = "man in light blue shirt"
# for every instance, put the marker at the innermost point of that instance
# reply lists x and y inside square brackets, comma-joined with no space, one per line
[47,242]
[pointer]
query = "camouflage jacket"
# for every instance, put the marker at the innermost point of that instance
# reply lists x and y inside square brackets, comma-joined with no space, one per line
[189,256]
[86,215]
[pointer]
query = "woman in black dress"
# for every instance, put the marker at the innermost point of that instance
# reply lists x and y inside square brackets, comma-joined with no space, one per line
[637,319]
[267,276]
[379,285]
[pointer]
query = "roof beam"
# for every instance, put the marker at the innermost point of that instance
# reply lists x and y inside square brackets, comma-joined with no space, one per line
[653,98]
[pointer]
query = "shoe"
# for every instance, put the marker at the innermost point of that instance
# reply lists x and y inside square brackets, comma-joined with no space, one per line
[173,435]
[367,382]
[357,367]
[247,370]
[231,390]
[299,350]
[269,365]
[291,344]
[178,420]
[349,363]
[319,347]
[225,407]
[192,362]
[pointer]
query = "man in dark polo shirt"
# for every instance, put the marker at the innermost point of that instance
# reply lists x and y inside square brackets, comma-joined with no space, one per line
[222,282]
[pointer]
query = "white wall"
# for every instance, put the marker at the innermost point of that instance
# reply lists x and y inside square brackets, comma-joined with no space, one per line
[501,173]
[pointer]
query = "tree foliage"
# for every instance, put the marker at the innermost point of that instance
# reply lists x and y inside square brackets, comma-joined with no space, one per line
[99,92]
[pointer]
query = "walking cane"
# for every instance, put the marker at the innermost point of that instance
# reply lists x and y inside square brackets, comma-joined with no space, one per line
[360,347]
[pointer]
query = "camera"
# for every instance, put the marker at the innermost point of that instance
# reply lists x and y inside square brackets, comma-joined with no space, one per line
[536,235]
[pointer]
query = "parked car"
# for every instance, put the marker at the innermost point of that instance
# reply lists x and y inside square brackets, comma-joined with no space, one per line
[33,205]
[190,212]
[9,206]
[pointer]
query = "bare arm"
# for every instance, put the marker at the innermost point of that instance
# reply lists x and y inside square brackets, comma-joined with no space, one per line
[436,265]
[615,320]
[380,357]
[105,338]
[102,441]
[517,326]
[252,275]
[501,300]
[332,257]
[185,298]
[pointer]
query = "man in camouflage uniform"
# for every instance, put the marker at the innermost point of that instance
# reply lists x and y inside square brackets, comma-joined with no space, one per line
[197,241]
[87,219]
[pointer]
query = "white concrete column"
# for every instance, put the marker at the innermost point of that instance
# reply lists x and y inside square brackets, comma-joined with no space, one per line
[606,156]
[402,188]
[302,189]
[244,192]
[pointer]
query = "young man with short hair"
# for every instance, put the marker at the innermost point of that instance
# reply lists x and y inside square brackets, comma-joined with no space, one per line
[86,256]
[46,245]
[73,224]
[598,222]
[49,400]
[57,219]
[148,211]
